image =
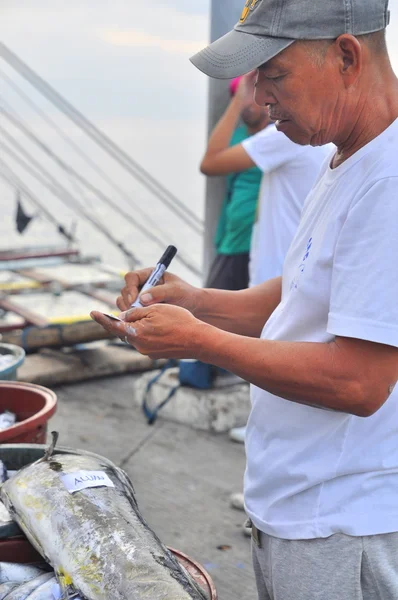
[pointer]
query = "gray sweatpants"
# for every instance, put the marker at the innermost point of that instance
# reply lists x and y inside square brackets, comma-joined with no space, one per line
[335,568]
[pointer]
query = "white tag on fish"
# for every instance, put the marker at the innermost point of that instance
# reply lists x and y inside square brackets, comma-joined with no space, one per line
[75,482]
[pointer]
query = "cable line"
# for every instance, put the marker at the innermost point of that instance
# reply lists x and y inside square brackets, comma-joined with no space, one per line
[100,172]
[66,167]
[66,198]
[14,181]
[145,178]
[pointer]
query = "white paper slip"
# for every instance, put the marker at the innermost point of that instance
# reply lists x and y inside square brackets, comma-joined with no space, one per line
[113,317]
[74,482]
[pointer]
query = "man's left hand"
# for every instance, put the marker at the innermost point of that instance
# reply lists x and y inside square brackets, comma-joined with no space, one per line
[246,88]
[157,331]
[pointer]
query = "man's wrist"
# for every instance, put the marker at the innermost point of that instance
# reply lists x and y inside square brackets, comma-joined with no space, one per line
[202,339]
[198,303]
[236,105]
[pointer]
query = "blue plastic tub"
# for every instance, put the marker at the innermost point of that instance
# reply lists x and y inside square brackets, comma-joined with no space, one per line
[9,372]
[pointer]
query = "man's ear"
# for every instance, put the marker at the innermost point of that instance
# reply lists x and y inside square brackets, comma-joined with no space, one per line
[349,52]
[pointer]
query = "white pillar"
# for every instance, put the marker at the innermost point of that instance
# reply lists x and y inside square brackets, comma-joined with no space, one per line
[224,15]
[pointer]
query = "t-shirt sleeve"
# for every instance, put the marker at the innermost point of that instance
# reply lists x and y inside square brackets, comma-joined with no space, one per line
[364,293]
[270,149]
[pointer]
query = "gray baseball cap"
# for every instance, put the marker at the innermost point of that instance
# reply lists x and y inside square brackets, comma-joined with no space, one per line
[267,27]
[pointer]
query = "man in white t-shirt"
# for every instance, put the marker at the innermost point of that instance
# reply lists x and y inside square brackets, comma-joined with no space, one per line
[321,483]
[289,171]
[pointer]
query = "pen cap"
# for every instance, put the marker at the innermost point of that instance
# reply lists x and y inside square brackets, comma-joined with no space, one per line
[168,256]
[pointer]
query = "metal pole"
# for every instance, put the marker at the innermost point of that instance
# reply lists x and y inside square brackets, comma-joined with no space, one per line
[224,15]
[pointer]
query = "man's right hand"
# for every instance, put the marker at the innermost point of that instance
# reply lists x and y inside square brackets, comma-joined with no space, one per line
[170,290]
[246,88]
[243,312]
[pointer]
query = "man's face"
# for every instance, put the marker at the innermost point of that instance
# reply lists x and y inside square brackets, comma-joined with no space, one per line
[304,96]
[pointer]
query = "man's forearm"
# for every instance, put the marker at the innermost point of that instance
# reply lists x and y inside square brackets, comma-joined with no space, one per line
[244,312]
[222,133]
[314,374]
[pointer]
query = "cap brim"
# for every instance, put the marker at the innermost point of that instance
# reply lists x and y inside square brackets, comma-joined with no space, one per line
[238,53]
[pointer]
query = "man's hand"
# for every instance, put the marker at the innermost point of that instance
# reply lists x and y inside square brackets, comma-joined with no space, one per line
[246,89]
[159,331]
[220,158]
[244,312]
[171,290]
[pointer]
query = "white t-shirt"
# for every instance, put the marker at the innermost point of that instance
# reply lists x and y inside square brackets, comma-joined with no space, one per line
[312,472]
[290,171]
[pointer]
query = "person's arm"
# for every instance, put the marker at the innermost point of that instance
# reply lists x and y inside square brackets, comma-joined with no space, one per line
[347,375]
[220,157]
[244,312]
[355,373]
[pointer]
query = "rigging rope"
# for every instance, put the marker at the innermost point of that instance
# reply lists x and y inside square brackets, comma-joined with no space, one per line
[100,172]
[17,122]
[66,198]
[14,181]
[145,178]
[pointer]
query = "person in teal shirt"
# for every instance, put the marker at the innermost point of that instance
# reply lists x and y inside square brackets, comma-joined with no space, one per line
[230,269]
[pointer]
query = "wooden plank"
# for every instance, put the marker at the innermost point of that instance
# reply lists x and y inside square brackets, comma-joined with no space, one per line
[56,336]
[27,263]
[38,276]
[51,368]
[21,254]
[29,316]
[98,290]
[10,323]
[73,274]
[60,306]
[14,282]
[103,295]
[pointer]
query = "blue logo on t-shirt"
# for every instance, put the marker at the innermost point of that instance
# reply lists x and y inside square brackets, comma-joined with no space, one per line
[309,246]
[295,282]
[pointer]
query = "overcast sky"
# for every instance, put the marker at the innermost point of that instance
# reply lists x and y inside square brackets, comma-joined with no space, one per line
[124,63]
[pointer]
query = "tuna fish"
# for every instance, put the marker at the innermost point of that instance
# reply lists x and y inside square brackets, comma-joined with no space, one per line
[4,514]
[8,527]
[3,472]
[24,591]
[95,538]
[6,588]
[18,573]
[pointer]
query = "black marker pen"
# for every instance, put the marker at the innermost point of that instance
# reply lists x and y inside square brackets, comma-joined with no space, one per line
[154,277]
[158,272]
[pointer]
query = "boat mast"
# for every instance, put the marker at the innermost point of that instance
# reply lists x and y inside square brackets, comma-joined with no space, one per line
[224,15]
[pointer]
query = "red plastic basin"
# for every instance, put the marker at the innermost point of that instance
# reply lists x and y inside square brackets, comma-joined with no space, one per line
[33,405]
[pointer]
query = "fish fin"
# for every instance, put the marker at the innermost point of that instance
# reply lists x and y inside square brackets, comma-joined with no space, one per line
[50,450]
[68,590]
[127,485]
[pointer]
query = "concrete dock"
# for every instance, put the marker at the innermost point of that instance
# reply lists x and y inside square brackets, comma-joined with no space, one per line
[183,477]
